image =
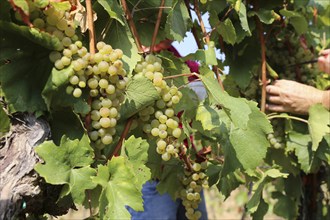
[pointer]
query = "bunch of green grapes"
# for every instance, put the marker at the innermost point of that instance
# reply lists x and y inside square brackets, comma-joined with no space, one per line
[107,83]
[194,181]
[284,56]
[159,120]
[58,23]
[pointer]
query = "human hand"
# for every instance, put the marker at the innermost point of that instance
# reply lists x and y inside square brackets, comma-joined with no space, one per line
[290,96]
[324,61]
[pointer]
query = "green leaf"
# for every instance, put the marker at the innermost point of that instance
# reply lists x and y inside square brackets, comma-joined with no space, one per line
[22,78]
[265,16]
[206,56]
[67,164]
[39,37]
[254,202]
[226,29]
[271,71]
[301,144]
[275,173]
[243,18]
[228,183]
[61,6]
[119,36]
[65,122]
[137,152]
[286,207]
[118,189]
[319,124]
[23,5]
[41,3]
[54,91]
[208,117]
[140,93]
[114,10]
[261,210]
[251,144]
[236,108]
[170,181]
[178,21]
[296,20]
[5,8]
[4,120]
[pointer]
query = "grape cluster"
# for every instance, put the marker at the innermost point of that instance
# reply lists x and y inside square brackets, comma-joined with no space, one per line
[285,55]
[159,120]
[101,74]
[194,182]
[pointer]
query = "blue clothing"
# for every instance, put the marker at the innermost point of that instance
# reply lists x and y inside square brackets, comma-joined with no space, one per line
[162,207]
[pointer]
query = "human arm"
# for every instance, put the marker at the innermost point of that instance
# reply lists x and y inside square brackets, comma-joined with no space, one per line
[324,61]
[290,96]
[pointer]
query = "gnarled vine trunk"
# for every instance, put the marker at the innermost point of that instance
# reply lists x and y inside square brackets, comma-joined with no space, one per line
[21,188]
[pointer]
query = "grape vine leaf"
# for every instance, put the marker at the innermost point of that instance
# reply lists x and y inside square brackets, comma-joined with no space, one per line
[170,181]
[39,37]
[19,71]
[265,16]
[174,66]
[229,182]
[65,122]
[4,120]
[23,5]
[119,189]
[236,108]
[68,164]
[113,9]
[208,117]
[206,56]
[286,206]
[119,36]
[54,91]
[226,29]
[140,92]
[178,21]
[251,144]
[297,20]
[136,149]
[4,10]
[243,18]
[41,3]
[319,124]
[261,210]
[61,6]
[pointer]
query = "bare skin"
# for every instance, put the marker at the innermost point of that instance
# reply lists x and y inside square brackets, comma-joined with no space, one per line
[293,97]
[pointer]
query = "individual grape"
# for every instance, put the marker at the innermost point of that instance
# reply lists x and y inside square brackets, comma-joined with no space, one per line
[107,139]
[77,92]
[69,31]
[105,122]
[58,64]
[54,56]
[176,132]
[155,132]
[166,156]
[103,83]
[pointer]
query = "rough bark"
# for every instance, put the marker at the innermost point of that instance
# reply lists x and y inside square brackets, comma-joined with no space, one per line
[21,189]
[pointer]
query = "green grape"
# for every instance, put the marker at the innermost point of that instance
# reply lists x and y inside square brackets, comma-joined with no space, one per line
[196,167]
[155,132]
[54,56]
[103,83]
[105,122]
[77,92]
[176,132]
[166,156]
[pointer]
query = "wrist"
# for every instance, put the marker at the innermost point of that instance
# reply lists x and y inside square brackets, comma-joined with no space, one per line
[326,99]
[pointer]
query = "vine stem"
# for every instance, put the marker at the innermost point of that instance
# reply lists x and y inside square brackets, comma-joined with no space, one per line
[122,137]
[159,17]
[207,40]
[288,116]
[132,26]
[263,63]
[178,75]
[186,159]
[193,29]
[90,23]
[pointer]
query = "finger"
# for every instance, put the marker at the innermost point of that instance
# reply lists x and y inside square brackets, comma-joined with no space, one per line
[273,90]
[276,108]
[275,99]
[325,52]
